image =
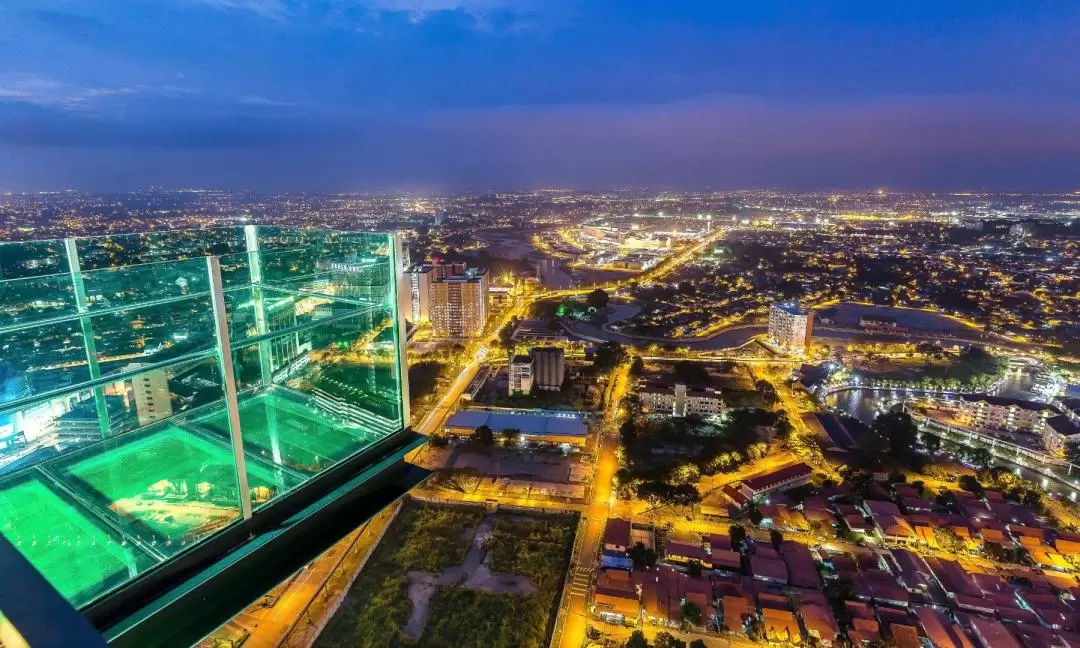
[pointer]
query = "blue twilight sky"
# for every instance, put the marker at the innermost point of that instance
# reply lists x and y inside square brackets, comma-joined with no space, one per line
[477,94]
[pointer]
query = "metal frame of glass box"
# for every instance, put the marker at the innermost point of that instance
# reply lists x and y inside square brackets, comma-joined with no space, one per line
[161,390]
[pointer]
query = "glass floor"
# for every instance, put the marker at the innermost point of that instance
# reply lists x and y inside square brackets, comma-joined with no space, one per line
[93,519]
[169,488]
[306,439]
[75,553]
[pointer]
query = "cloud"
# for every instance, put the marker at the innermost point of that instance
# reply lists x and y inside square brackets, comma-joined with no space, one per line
[935,142]
[270,9]
[49,92]
[259,100]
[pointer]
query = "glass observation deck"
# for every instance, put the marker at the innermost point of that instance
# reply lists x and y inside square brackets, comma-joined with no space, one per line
[159,389]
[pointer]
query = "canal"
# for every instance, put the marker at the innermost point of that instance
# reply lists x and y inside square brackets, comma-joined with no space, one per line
[865,403]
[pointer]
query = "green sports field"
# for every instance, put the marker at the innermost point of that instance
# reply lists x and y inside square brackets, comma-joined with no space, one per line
[168,488]
[308,441]
[74,553]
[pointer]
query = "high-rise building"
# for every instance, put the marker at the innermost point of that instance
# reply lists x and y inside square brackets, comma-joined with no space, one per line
[150,393]
[442,269]
[521,374]
[419,279]
[549,367]
[790,328]
[459,304]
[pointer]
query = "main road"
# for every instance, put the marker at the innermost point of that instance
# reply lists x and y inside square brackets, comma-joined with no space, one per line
[574,610]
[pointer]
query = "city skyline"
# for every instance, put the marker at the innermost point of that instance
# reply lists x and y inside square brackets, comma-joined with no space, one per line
[453,95]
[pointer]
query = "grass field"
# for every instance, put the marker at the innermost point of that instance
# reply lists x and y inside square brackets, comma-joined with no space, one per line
[433,537]
[76,555]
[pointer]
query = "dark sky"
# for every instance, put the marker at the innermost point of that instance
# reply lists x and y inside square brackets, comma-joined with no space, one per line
[478,94]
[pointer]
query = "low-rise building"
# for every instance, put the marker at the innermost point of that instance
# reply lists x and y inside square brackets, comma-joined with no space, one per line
[617,535]
[680,401]
[615,597]
[998,413]
[550,427]
[785,478]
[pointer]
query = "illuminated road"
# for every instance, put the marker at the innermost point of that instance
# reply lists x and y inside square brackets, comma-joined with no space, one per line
[574,611]
[432,422]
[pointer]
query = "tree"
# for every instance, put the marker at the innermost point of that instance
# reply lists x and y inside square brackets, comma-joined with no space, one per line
[972,485]
[697,643]
[981,458]
[665,639]
[609,355]
[755,516]
[737,534]
[690,613]
[597,299]
[637,640]
[948,539]
[658,493]
[767,392]
[931,442]
[873,446]
[637,367]
[899,430]
[776,538]
[484,435]
[510,435]
[463,480]
[755,630]
[642,556]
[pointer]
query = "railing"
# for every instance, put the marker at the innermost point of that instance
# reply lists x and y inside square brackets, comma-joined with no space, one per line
[327,600]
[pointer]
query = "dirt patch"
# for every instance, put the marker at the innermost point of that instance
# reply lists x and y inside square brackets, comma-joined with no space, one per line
[473,573]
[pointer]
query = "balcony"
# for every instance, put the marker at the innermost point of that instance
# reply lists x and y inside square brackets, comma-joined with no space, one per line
[167,397]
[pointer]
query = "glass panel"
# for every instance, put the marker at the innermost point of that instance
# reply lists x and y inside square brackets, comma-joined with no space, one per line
[151,247]
[43,430]
[41,359]
[153,333]
[32,259]
[348,364]
[235,270]
[133,285]
[166,487]
[280,310]
[34,299]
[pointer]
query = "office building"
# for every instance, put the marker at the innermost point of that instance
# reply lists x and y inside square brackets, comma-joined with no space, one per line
[459,304]
[549,367]
[521,374]
[163,496]
[790,328]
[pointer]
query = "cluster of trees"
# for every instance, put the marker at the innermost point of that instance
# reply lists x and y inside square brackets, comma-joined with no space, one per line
[1014,488]
[892,436]
[664,459]
[609,355]
[662,640]
[975,369]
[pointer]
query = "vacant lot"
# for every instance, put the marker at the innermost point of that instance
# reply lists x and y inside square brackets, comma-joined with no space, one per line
[434,538]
